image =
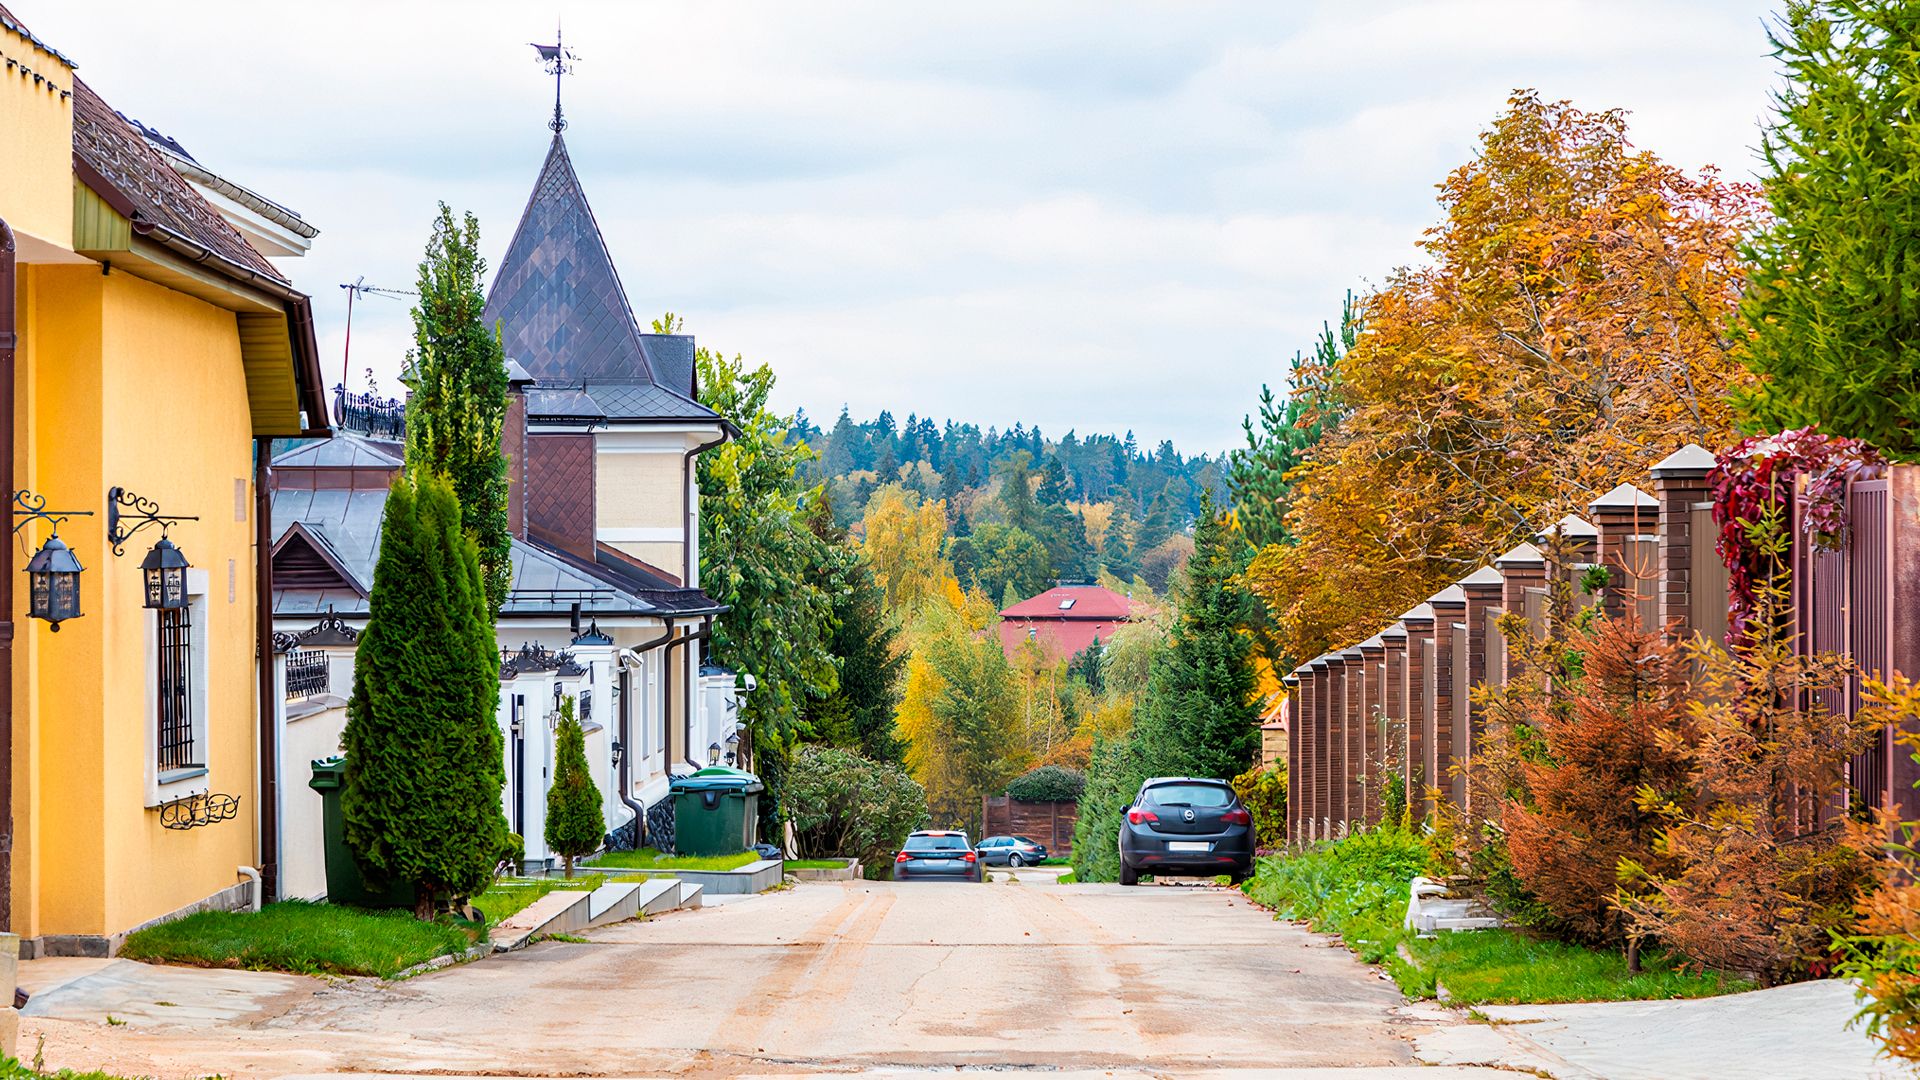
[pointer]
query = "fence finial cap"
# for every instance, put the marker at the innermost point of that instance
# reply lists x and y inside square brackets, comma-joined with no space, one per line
[1486,575]
[1421,610]
[1520,553]
[1691,458]
[1624,497]
[1452,594]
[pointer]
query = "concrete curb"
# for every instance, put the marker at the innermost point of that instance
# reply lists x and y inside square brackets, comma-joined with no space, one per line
[480,949]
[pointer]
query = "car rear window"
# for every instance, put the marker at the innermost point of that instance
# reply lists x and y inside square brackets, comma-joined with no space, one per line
[1211,795]
[936,843]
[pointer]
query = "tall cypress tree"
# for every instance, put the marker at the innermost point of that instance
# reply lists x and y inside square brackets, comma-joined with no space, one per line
[424,772]
[1200,716]
[1832,308]
[575,826]
[458,374]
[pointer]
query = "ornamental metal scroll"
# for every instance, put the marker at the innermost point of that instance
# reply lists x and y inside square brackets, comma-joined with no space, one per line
[193,811]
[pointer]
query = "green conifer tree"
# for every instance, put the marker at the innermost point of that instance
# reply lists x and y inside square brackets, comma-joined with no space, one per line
[423,775]
[1258,475]
[458,376]
[1830,314]
[575,826]
[1200,716]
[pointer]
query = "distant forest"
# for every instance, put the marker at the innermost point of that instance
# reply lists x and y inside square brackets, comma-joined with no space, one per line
[1094,505]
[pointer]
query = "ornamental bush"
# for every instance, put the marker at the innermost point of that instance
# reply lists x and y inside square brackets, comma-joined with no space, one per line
[421,802]
[575,826]
[1048,783]
[847,806]
[1264,791]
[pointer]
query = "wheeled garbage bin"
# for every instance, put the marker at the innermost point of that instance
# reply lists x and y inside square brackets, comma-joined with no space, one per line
[716,811]
[345,884]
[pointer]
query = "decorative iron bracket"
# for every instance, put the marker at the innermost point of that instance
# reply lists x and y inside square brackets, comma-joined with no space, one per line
[35,509]
[145,511]
[193,811]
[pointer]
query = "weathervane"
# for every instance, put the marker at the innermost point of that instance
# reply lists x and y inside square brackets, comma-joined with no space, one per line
[556,56]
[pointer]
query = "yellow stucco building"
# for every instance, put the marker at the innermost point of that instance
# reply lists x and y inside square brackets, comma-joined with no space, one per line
[152,352]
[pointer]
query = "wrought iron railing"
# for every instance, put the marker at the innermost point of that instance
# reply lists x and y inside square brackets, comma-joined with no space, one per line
[374,417]
[306,674]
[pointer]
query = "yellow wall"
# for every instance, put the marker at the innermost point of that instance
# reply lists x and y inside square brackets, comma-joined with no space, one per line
[36,128]
[129,383]
[638,490]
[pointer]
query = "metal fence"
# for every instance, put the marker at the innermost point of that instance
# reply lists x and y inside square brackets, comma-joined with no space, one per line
[307,674]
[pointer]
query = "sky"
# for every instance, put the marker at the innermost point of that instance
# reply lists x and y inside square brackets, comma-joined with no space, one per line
[1094,216]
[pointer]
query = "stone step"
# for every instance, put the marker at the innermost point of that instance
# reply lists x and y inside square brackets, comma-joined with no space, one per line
[613,903]
[691,894]
[560,912]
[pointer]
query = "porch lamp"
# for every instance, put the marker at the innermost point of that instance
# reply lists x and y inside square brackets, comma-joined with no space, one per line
[165,573]
[713,753]
[53,583]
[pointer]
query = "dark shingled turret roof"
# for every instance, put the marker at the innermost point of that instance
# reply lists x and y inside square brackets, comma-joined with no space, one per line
[565,318]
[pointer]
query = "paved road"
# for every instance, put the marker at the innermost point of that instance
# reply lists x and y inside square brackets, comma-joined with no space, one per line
[831,977]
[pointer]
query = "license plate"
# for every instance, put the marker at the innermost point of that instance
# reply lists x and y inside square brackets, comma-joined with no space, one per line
[1189,845]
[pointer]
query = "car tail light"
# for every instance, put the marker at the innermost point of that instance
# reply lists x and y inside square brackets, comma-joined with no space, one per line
[1141,817]
[1237,817]
[902,857]
[971,857]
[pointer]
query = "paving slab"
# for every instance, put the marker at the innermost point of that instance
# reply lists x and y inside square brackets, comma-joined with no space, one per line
[1795,1031]
[145,995]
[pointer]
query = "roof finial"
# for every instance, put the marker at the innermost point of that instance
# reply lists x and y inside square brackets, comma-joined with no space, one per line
[556,56]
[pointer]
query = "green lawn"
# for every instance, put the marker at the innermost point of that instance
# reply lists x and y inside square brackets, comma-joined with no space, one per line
[651,859]
[816,864]
[15,1069]
[302,937]
[1357,888]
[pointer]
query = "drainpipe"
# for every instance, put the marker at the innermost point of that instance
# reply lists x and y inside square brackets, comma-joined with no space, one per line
[269,887]
[626,740]
[7,339]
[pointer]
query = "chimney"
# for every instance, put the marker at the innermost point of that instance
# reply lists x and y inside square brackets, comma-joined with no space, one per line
[513,444]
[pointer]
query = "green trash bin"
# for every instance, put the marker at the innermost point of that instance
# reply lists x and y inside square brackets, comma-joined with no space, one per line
[716,811]
[345,885]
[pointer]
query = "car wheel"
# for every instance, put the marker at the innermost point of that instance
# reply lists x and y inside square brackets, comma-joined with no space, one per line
[1128,875]
[1016,861]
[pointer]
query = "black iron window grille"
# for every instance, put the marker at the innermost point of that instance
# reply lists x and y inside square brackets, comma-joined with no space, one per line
[176,689]
[375,417]
[306,674]
[586,705]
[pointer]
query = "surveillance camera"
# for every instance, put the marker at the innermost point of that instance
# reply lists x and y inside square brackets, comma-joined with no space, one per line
[751,684]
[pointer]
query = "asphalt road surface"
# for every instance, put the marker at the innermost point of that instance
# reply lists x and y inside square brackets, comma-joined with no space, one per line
[829,978]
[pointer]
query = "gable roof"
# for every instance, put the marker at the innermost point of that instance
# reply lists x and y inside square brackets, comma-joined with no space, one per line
[1073,602]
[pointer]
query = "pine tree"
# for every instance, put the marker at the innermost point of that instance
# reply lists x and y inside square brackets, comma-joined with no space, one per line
[424,770]
[1829,313]
[575,826]
[1258,476]
[1201,716]
[458,374]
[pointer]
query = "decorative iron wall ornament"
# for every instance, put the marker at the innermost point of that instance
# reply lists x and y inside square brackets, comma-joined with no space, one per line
[194,811]
[330,630]
[141,511]
[534,657]
[53,573]
[375,417]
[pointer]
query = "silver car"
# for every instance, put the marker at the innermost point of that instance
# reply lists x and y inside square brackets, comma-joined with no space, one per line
[1014,851]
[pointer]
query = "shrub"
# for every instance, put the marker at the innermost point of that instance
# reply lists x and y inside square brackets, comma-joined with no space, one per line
[845,805]
[1048,783]
[1114,776]
[575,826]
[421,803]
[1264,791]
[1881,953]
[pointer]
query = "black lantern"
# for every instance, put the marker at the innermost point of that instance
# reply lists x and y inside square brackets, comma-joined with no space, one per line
[165,572]
[53,579]
[713,753]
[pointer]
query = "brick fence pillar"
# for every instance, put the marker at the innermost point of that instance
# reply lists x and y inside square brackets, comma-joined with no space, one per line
[1355,682]
[1393,703]
[1449,607]
[1483,588]
[1373,656]
[1326,733]
[1418,624]
[1290,686]
[1523,570]
[1622,515]
[1679,481]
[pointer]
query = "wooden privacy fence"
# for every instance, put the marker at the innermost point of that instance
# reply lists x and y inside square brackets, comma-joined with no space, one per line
[1050,823]
[1401,699]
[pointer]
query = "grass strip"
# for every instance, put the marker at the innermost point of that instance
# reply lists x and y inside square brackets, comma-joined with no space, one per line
[652,859]
[302,937]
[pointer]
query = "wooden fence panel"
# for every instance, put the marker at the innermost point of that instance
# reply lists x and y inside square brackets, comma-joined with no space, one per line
[1707,576]
[1049,823]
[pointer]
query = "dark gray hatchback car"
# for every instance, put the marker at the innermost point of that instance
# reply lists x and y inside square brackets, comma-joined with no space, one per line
[1186,826]
[937,855]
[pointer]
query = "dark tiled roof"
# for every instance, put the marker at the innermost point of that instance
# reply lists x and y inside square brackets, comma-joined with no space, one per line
[645,401]
[563,312]
[105,143]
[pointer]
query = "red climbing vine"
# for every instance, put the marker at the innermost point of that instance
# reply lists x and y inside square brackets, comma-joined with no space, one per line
[1753,485]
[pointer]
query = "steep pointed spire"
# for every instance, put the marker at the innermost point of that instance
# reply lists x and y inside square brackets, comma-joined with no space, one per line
[557,298]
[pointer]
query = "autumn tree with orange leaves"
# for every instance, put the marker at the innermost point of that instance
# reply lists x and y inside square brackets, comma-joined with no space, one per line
[1568,330]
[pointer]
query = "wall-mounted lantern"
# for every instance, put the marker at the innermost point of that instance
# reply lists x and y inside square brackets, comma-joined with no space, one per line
[713,753]
[618,750]
[165,573]
[53,574]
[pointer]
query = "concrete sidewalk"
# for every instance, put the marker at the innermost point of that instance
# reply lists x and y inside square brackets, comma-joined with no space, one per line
[1791,1031]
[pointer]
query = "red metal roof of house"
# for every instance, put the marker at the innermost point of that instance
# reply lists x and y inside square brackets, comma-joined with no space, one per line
[1073,602]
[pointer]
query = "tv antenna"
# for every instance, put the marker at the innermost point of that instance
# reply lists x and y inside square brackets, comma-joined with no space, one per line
[559,61]
[356,288]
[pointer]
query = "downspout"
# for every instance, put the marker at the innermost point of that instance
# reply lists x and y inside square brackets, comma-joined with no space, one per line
[7,340]
[689,573]
[269,889]
[626,740]
[686,711]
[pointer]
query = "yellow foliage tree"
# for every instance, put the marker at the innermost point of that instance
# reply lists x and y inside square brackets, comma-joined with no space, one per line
[906,537]
[1568,331]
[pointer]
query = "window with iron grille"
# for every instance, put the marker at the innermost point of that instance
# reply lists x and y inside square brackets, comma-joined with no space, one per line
[307,674]
[586,705]
[176,744]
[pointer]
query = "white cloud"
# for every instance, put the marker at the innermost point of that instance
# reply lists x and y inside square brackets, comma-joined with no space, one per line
[1097,215]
